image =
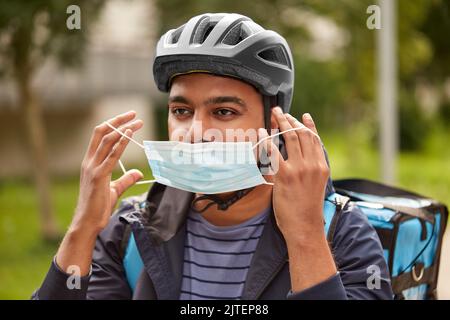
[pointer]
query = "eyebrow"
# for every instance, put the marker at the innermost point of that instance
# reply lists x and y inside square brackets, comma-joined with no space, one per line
[179,99]
[212,100]
[225,99]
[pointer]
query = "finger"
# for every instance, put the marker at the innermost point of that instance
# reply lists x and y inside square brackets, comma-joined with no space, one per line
[292,143]
[102,129]
[113,158]
[308,139]
[309,122]
[312,127]
[109,140]
[295,123]
[127,180]
[269,153]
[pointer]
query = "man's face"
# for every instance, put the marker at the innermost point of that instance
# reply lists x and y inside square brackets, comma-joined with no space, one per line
[204,107]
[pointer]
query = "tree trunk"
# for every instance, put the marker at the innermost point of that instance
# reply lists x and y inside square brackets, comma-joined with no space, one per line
[34,126]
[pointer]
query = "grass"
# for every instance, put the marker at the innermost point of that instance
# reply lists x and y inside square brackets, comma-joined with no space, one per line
[25,258]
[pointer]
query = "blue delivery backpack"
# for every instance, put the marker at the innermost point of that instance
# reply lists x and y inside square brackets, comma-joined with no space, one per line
[410,228]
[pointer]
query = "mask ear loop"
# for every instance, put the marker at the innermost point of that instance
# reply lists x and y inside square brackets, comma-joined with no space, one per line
[135,142]
[272,136]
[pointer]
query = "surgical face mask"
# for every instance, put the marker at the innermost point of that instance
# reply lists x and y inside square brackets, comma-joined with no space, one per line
[207,168]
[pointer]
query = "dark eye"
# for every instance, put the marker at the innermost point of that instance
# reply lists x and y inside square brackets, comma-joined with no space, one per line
[179,111]
[224,112]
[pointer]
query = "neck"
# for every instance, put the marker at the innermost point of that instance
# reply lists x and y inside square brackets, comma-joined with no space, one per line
[253,203]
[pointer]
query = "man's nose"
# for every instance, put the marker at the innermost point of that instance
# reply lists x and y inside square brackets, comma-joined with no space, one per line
[199,127]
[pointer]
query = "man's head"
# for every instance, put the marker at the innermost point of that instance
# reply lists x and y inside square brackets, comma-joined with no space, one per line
[229,45]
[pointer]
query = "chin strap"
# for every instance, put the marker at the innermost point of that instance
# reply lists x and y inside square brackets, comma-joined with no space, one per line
[269,102]
[221,204]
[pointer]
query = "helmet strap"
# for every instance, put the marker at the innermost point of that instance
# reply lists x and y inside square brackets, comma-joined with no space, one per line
[222,205]
[269,102]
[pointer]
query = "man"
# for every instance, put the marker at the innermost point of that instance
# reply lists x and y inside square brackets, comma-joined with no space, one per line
[222,71]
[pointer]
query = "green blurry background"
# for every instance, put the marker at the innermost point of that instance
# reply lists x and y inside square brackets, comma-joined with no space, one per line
[335,65]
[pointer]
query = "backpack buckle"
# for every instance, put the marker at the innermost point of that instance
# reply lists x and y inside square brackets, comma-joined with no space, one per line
[414,275]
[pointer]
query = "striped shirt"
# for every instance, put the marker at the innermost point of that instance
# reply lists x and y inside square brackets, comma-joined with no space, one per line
[217,259]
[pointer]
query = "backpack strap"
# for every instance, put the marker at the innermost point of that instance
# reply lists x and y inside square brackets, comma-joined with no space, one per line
[333,207]
[128,251]
[124,241]
[132,262]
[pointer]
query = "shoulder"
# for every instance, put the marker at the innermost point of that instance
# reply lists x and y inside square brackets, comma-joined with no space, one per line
[111,237]
[355,237]
[359,256]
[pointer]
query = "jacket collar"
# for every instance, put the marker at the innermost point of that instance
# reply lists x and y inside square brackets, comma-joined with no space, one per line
[269,258]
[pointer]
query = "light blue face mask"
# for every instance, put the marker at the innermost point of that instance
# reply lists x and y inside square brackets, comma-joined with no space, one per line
[206,168]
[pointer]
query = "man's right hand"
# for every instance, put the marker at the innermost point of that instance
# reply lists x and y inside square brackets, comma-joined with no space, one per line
[98,194]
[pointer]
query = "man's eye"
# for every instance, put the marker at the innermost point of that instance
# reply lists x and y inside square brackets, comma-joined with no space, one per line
[224,112]
[180,111]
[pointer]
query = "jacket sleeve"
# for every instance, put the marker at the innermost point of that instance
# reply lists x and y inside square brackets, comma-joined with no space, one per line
[362,270]
[107,277]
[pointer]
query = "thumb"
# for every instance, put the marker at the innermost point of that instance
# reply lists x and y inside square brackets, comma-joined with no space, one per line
[128,179]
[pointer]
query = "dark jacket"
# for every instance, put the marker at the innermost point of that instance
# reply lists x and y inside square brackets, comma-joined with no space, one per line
[159,231]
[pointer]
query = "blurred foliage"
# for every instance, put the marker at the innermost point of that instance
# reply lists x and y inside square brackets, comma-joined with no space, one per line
[414,125]
[341,91]
[445,111]
[32,30]
[161,114]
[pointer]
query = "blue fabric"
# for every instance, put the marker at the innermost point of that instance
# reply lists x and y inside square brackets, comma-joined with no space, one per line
[329,209]
[132,263]
[408,242]
[409,245]
[416,293]
[378,218]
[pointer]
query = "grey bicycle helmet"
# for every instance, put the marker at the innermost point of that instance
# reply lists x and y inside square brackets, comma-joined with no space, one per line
[228,44]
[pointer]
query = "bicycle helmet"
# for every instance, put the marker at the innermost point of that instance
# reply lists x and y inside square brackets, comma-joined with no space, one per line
[228,44]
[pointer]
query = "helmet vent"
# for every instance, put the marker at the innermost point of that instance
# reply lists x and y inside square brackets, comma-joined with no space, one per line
[203,30]
[275,54]
[236,35]
[175,36]
[208,31]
